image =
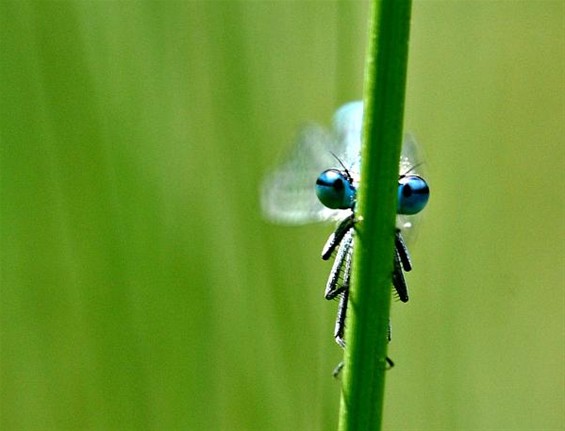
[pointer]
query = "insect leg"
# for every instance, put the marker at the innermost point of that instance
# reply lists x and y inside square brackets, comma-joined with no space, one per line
[337,235]
[398,280]
[402,251]
[337,370]
[337,279]
[339,330]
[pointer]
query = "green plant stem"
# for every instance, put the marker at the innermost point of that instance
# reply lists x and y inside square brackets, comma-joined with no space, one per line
[369,305]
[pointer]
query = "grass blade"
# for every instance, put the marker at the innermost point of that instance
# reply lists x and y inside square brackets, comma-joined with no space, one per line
[368,314]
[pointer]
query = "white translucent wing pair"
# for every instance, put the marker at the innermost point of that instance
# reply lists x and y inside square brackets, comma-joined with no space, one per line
[287,193]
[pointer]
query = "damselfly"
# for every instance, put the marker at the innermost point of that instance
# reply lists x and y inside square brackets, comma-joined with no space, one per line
[318,182]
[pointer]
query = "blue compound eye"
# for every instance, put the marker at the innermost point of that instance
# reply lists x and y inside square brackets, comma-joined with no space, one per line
[413,194]
[334,189]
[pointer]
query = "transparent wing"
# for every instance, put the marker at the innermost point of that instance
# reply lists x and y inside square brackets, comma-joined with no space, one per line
[347,124]
[287,193]
[411,158]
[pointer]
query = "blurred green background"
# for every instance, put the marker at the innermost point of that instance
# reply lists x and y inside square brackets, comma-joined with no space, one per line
[140,288]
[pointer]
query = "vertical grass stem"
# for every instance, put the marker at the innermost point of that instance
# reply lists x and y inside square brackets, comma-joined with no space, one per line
[368,314]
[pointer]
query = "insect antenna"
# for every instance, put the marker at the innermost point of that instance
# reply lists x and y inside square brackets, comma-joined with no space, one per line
[347,173]
[410,170]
